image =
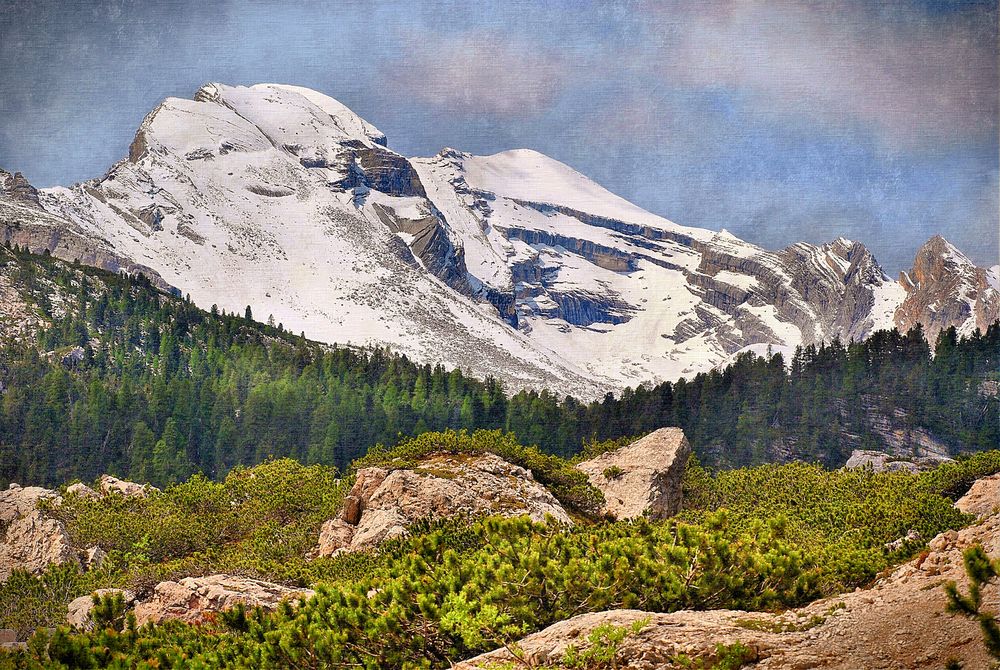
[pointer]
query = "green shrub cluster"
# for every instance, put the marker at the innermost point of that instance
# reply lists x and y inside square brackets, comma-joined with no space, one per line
[763,538]
[259,522]
[165,389]
[847,515]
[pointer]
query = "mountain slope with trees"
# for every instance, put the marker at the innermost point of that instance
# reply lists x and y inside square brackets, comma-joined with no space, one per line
[110,374]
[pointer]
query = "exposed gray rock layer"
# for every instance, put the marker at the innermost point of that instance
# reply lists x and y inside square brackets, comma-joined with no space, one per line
[879,461]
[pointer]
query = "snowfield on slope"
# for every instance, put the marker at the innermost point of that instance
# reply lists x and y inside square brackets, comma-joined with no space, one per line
[512,265]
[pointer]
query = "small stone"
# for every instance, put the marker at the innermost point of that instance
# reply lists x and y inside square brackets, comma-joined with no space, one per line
[110,485]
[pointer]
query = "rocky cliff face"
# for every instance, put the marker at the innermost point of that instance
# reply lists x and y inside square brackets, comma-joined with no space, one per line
[24,223]
[16,188]
[512,264]
[944,288]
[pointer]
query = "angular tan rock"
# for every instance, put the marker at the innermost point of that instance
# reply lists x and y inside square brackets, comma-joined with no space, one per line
[109,485]
[642,478]
[335,534]
[82,490]
[32,543]
[30,539]
[93,557]
[78,610]
[983,499]
[18,501]
[193,599]
[384,503]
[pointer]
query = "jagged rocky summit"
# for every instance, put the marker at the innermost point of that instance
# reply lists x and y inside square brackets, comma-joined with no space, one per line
[282,198]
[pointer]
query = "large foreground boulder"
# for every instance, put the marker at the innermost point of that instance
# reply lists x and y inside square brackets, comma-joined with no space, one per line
[652,641]
[643,478]
[899,622]
[194,599]
[383,503]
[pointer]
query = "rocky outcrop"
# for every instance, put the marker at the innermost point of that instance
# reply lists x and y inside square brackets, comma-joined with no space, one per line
[33,542]
[879,461]
[900,622]
[945,288]
[659,640]
[194,599]
[643,478]
[78,610]
[113,486]
[383,503]
[81,490]
[19,501]
[983,499]
[32,539]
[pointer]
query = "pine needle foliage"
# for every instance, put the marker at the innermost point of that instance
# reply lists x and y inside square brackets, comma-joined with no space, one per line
[981,571]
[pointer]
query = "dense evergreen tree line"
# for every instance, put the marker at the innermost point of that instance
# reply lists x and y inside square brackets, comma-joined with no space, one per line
[161,389]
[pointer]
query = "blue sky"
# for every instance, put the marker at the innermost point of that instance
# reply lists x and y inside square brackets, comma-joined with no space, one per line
[780,120]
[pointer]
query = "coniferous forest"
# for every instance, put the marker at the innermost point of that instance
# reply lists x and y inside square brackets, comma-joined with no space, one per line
[123,378]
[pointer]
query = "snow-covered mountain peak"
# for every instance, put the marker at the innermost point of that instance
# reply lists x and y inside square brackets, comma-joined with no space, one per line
[530,176]
[513,265]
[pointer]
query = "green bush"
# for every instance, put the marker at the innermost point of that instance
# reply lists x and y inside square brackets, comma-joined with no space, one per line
[849,515]
[764,538]
[28,602]
[259,521]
